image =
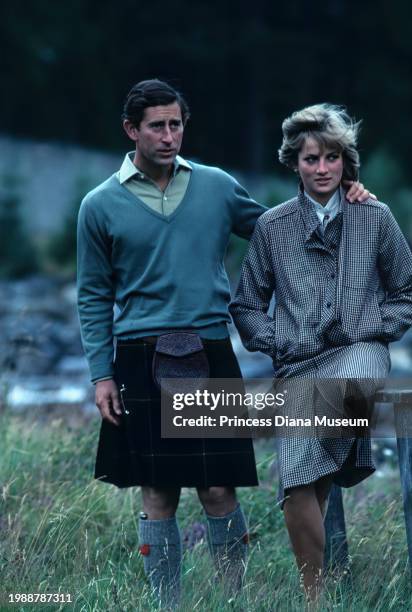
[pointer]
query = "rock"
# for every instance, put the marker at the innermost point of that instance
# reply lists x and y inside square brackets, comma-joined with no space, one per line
[194,534]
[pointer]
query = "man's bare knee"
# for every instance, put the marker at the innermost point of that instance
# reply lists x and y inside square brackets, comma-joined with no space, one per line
[218,501]
[160,503]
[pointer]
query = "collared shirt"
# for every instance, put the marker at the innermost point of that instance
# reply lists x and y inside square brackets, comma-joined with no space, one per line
[330,210]
[143,187]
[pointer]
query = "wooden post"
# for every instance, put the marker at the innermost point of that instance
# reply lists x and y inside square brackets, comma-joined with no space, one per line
[405,467]
[336,547]
[402,404]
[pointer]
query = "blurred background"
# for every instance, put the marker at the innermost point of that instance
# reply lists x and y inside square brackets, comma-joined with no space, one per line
[243,67]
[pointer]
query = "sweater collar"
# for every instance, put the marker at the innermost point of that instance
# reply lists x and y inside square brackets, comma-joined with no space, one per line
[128,170]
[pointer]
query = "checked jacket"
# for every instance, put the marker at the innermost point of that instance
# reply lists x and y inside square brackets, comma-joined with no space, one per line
[351,283]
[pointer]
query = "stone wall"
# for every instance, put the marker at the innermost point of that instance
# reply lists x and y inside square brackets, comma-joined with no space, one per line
[51,177]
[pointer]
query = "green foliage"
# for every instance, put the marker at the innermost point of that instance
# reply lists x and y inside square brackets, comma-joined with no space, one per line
[61,248]
[279,190]
[18,255]
[382,174]
[235,253]
[62,531]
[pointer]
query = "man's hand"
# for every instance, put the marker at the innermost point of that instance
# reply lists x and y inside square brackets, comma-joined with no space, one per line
[108,401]
[357,192]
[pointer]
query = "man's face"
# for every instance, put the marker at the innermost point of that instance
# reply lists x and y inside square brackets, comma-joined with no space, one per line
[320,169]
[159,136]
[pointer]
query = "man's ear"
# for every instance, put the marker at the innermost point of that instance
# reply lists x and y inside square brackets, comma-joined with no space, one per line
[131,130]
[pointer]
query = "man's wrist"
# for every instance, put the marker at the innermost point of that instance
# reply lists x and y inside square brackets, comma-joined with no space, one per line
[101,379]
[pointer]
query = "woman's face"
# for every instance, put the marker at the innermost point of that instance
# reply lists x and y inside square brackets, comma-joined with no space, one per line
[320,169]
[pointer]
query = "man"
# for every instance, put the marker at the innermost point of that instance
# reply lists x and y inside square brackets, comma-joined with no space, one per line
[152,240]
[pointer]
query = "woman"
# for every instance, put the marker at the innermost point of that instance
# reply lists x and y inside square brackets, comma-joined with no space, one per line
[341,274]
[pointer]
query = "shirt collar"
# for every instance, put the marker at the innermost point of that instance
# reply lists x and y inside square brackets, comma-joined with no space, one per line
[309,212]
[331,208]
[128,170]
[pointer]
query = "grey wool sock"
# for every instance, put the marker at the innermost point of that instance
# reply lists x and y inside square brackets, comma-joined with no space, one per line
[161,549]
[228,543]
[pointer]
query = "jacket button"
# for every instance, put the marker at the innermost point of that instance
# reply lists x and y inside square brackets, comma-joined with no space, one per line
[332,276]
[328,305]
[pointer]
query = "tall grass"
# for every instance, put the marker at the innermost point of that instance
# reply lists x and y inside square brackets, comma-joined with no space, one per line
[62,531]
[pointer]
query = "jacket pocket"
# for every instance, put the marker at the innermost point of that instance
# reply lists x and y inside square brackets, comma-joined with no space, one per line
[361,315]
[295,338]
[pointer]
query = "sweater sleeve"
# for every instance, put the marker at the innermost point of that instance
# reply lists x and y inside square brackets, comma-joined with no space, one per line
[95,291]
[245,211]
[395,265]
[250,307]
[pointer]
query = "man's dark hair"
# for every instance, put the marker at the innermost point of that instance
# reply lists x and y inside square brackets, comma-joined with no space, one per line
[152,92]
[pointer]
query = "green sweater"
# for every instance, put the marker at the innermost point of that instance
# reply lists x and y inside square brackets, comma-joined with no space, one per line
[161,272]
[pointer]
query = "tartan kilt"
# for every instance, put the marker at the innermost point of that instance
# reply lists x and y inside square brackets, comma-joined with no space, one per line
[134,452]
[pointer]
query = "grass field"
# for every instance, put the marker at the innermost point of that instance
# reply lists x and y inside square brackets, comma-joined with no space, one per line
[63,532]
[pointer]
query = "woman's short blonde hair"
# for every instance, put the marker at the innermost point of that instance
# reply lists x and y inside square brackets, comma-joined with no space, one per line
[330,126]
